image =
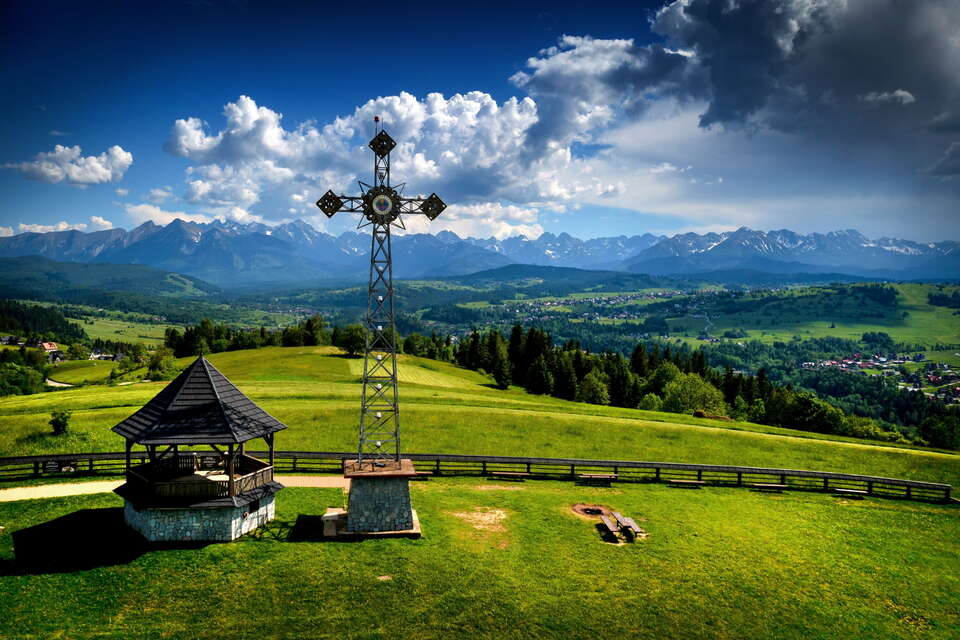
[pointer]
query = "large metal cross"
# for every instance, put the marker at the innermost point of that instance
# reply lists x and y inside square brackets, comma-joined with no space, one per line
[381,206]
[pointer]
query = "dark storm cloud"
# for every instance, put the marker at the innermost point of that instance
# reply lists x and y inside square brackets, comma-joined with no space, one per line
[583,83]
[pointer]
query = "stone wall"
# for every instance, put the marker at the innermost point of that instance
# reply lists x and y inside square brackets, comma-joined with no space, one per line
[379,504]
[188,525]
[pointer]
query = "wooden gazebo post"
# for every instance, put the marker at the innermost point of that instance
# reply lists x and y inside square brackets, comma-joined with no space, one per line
[230,468]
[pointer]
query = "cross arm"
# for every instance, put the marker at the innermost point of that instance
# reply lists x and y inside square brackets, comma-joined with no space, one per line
[331,203]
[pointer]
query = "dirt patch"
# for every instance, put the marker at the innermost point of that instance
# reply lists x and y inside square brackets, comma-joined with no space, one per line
[591,511]
[499,487]
[484,518]
[384,578]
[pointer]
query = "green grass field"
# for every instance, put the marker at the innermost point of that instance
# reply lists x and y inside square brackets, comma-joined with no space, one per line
[513,561]
[79,371]
[446,409]
[501,559]
[125,330]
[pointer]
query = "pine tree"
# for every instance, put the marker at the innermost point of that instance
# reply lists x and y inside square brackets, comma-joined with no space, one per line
[565,380]
[638,361]
[539,379]
[500,364]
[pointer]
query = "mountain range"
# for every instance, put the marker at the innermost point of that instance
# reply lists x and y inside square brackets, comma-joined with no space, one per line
[230,254]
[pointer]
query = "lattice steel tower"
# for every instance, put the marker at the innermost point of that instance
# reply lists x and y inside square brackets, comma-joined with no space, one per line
[381,206]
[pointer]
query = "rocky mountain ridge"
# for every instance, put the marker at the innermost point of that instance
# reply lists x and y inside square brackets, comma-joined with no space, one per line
[229,253]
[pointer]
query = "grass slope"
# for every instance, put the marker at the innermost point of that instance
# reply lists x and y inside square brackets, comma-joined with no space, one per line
[78,371]
[513,561]
[446,409]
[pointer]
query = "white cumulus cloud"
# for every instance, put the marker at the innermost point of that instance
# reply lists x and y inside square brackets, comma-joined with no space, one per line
[141,213]
[158,195]
[900,96]
[70,165]
[5,231]
[122,192]
[63,225]
[100,224]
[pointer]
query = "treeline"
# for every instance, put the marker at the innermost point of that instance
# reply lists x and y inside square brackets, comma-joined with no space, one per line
[37,322]
[655,378]
[951,301]
[22,371]
[881,399]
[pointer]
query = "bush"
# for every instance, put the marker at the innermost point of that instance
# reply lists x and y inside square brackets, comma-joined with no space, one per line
[651,402]
[688,392]
[593,390]
[59,422]
[161,365]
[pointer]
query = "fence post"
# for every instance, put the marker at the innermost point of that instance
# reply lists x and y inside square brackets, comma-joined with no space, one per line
[657,477]
[436,467]
[783,478]
[699,474]
[528,467]
[870,487]
[573,470]
[484,467]
[36,468]
[826,484]
[739,478]
[908,491]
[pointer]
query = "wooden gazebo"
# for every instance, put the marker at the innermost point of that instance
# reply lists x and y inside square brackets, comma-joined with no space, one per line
[200,408]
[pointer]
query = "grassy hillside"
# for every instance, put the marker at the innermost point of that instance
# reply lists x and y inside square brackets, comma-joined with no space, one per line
[498,560]
[78,371]
[913,320]
[34,273]
[510,561]
[446,409]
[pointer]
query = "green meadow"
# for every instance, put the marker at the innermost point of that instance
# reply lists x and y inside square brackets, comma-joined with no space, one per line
[507,560]
[447,409]
[82,371]
[915,321]
[498,559]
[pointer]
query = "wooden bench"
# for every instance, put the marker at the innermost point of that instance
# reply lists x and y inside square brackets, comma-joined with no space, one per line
[514,476]
[855,494]
[769,486]
[627,525]
[596,479]
[686,484]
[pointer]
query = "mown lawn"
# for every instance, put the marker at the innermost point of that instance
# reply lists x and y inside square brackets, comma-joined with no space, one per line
[446,409]
[508,560]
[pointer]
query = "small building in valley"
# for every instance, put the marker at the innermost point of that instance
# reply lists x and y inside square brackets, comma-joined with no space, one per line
[179,493]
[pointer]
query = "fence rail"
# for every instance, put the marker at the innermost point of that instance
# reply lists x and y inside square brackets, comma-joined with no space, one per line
[440,465]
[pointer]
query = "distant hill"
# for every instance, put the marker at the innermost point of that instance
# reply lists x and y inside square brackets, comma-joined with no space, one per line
[29,276]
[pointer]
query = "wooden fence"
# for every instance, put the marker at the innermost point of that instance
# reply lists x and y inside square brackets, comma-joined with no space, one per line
[440,465]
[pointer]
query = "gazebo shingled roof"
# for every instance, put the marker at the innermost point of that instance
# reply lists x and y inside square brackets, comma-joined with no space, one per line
[199,407]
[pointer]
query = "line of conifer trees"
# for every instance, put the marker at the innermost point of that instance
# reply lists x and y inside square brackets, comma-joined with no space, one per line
[655,378]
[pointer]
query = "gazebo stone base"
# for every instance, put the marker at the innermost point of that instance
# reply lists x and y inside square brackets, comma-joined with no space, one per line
[379,504]
[219,524]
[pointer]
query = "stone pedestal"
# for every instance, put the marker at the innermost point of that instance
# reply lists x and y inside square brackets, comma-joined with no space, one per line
[379,499]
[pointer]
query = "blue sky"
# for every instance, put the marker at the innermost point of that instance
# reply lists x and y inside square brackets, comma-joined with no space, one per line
[596,119]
